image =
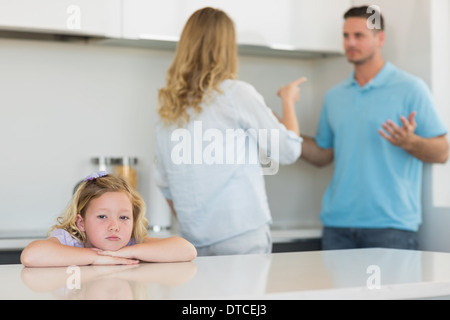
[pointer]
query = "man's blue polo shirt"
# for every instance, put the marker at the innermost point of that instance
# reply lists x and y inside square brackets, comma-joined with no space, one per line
[375,184]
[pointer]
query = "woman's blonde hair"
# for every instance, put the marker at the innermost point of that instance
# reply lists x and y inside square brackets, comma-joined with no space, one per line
[206,55]
[92,189]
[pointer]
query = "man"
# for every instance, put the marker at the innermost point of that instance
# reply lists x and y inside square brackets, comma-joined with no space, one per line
[379,126]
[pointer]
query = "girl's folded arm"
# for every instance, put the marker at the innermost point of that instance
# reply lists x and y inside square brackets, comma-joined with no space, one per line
[51,253]
[172,249]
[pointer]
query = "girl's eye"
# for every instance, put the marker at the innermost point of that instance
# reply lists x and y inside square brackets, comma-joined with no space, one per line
[124,218]
[101,216]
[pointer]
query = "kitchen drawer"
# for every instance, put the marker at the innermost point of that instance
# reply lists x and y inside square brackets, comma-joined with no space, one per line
[10,256]
[297,245]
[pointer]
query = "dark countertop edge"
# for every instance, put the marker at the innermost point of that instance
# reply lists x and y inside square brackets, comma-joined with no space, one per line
[278,236]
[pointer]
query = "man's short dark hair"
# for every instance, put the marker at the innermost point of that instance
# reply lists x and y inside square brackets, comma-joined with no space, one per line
[364,12]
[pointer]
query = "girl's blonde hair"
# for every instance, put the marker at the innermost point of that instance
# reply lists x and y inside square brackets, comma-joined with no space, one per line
[92,189]
[206,55]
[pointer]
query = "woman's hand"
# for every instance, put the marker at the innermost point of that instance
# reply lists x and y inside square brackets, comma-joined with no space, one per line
[290,95]
[291,92]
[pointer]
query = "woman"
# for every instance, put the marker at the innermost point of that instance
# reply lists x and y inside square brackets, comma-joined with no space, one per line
[210,128]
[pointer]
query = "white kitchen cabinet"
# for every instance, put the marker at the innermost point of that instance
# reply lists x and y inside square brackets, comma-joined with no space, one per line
[150,19]
[258,22]
[81,17]
[317,25]
[283,25]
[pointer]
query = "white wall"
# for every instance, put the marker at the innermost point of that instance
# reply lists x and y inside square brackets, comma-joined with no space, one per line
[434,232]
[61,105]
[64,103]
[440,81]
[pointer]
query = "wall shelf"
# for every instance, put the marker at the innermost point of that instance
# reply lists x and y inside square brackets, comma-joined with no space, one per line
[156,44]
[244,49]
[167,45]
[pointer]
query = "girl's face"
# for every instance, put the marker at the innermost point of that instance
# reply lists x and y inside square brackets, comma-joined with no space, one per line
[108,222]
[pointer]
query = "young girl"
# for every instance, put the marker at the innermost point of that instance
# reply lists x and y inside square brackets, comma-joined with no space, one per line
[221,205]
[104,224]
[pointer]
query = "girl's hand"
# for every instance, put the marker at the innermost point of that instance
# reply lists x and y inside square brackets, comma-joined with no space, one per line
[125,253]
[111,258]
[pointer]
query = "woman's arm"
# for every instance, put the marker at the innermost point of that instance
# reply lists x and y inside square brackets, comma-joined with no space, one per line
[51,253]
[172,249]
[290,95]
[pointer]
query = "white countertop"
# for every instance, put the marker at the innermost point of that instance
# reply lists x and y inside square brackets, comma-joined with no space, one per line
[17,240]
[345,274]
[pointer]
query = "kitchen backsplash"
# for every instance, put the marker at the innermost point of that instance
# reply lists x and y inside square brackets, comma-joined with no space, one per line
[65,103]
